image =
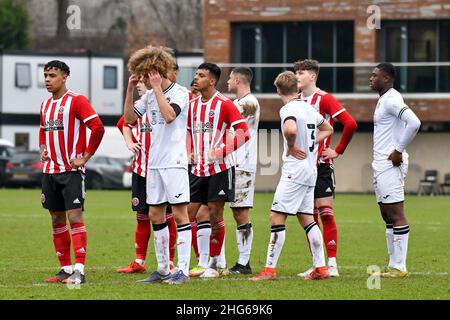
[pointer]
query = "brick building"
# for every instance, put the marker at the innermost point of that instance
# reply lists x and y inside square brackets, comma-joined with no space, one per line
[283,31]
[335,32]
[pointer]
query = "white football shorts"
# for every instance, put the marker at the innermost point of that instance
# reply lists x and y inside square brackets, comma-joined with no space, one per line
[244,189]
[169,185]
[293,198]
[389,185]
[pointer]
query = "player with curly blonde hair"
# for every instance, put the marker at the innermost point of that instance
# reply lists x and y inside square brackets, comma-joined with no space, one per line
[166,105]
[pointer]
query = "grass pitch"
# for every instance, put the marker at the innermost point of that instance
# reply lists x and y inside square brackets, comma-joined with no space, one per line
[27,256]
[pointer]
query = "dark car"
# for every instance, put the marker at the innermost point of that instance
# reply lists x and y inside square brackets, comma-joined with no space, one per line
[105,173]
[24,169]
[7,151]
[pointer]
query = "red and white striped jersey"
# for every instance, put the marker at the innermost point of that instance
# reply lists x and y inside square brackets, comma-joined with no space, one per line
[209,124]
[141,131]
[329,108]
[64,123]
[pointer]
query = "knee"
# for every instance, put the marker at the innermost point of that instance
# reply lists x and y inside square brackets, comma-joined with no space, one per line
[58,218]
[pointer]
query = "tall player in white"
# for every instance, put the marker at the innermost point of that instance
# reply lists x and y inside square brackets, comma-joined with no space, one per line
[395,126]
[239,83]
[302,128]
[166,106]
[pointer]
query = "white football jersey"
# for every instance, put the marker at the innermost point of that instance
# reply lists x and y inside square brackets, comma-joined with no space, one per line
[168,140]
[307,119]
[246,156]
[388,126]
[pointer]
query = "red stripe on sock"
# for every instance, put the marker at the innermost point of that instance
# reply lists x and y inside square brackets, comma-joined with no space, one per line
[142,235]
[61,241]
[194,237]
[172,235]
[79,239]
[330,236]
[216,240]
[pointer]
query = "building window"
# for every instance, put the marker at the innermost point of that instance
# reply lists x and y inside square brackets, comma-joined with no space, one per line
[327,42]
[22,141]
[418,41]
[40,76]
[109,77]
[23,75]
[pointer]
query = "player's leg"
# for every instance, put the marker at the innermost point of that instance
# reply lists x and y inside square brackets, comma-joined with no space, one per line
[389,235]
[198,195]
[312,230]
[277,238]
[217,238]
[52,200]
[220,190]
[315,242]
[73,193]
[143,227]
[176,184]
[172,234]
[244,193]
[324,195]
[286,202]
[62,244]
[192,211]
[79,243]
[157,200]
[390,186]
[244,237]
[203,237]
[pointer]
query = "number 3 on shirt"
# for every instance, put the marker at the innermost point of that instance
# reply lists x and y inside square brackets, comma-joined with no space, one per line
[312,127]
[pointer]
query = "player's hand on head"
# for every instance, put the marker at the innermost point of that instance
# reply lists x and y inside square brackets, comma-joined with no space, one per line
[133,80]
[76,163]
[329,153]
[155,79]
[296,152]
[396,158]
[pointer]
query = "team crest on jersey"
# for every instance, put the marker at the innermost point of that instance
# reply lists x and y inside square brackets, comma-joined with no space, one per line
[154,117]
[211,113]
[42,198]
[135,201]
[61,110]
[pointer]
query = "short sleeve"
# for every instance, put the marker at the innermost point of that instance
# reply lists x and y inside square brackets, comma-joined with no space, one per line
[140,107]
[319,119]
[396,106]
[232,114]
[287,113]
[331,106]
[83,109]
[180,98]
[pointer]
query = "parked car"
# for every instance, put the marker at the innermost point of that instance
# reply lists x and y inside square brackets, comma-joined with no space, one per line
[127,174]
[7,151]
[24,169]
[105,172]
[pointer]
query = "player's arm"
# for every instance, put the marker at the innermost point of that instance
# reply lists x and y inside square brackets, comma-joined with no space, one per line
[412,123]
[241,132]
[325,130]
[133,146]
[85,112]
[130,116]
[290,133]
[42,142]
[125,129]
[169,111]
[338,112]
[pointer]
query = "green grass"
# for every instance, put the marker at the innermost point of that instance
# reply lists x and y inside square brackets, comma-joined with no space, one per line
[27,256]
